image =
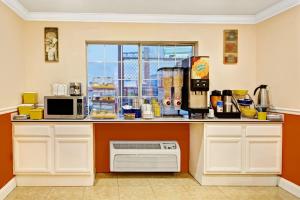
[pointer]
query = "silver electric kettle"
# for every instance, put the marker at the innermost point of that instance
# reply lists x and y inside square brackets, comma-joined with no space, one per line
[263,100]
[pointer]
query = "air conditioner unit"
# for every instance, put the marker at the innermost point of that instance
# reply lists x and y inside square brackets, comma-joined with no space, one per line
[144,156]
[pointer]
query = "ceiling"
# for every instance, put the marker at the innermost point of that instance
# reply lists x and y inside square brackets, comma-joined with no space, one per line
[151,11]
[170,7]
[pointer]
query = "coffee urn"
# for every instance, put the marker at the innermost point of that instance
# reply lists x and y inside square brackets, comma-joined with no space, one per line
[195,85]
[263,99]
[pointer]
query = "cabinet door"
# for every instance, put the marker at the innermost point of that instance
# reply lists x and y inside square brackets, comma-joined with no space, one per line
[265,130]
[223,130]
[223,155]
[263,155]
[35,130]
[81,130]
[32,155]
[73,155]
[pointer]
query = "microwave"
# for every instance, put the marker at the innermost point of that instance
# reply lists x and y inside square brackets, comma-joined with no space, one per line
[64,107]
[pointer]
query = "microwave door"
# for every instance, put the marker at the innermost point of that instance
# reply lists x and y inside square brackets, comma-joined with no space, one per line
[61,108]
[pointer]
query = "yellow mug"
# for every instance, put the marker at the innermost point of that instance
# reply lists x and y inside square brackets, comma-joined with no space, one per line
[262,115]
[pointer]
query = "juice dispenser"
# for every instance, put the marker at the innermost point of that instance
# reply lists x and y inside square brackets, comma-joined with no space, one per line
[195,85]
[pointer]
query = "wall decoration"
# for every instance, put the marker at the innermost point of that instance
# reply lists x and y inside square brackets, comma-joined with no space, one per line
[230,48]
[51,44]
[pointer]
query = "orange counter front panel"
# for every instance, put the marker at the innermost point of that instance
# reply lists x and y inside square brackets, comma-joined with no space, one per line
[139,131]
[6,162]
[291,148]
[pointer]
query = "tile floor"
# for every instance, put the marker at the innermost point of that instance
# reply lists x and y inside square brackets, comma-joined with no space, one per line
[135,186]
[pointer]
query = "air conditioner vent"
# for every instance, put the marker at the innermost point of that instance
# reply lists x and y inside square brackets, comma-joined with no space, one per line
[144,156]
[136,146]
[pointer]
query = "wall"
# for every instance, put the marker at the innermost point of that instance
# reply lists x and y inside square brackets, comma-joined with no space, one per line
[12,81]
[278,60]
[291,150]
[73,35]
[278,65]
[6,166]
[150,131]
[12,68]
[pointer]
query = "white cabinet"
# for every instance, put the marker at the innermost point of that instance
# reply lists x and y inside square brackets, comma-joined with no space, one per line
[263,155]
[47,148]
[53,153]
[73,155]
[242,148]
[32,155]
[223,155]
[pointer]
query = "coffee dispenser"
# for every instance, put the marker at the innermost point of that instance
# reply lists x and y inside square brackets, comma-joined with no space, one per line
[263,99]
[195,85]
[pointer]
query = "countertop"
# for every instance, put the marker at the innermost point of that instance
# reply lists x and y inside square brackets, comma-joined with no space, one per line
[154,120]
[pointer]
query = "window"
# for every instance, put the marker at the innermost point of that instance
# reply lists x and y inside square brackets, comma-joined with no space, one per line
[133,67]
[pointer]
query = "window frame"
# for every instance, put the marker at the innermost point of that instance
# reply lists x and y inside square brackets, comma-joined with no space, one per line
[140,45]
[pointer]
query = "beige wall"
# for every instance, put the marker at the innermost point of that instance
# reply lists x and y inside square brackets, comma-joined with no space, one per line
[278,57]
[268,53]
[12,68]
[73,35]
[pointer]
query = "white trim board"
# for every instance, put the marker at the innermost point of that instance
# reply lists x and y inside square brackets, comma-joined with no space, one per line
[8,188]
[291,111]
[8,110]
[17,7]
[239,180]
[276,9]
[141,18]
[289,186]
[269,12]
[58,180]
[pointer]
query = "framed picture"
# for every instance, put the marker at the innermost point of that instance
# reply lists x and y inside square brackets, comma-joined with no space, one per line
[230,46]
[51,44]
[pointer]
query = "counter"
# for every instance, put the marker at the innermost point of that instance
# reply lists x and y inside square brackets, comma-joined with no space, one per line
[215,151]
[154,120]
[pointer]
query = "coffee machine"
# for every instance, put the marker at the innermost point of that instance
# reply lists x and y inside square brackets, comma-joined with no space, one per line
[195,85]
